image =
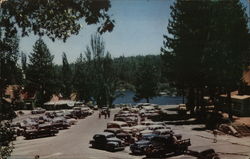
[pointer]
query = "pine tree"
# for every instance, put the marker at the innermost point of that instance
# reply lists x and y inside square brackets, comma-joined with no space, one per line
[206,47]
[146,81]
[40,71]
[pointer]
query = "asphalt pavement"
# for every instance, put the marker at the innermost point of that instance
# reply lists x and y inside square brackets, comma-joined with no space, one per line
[73,143]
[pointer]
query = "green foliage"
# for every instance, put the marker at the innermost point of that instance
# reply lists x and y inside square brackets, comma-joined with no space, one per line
[9,74]
[6,136]
[40,72]
[206,46]
[95,76]
[147,78]
[54,18]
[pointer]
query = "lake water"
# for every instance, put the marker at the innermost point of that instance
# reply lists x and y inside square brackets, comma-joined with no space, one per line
[161,100]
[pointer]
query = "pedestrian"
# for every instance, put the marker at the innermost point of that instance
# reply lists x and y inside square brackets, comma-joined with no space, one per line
[215,135]
[105,114]
[100,114]
[108,113]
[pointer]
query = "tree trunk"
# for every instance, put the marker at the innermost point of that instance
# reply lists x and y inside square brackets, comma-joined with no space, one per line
[202,100]
[183,96]
[229,104]
[190,102]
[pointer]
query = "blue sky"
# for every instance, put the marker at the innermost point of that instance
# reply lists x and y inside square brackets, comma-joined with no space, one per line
[139,29]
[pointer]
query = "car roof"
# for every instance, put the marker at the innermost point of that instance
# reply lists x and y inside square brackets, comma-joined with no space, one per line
[105,134]
[147,135]
[117,122]
[163,130]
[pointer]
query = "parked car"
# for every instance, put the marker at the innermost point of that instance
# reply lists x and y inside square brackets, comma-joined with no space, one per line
[127,138]
[139,146]
[38,110]
[77,112]
[161,145]
[113,130]
[107,141]
[163,131]
[131,121]
[116,124]
[60,123]
[155,127]
[40,131]
[71,121]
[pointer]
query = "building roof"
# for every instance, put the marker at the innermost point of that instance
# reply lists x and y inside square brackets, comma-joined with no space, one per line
[61,102]
[234,95]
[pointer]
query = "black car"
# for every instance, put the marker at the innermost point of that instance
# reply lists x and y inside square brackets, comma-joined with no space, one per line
[107,141]
[139,146]
[41,131]
[161,145]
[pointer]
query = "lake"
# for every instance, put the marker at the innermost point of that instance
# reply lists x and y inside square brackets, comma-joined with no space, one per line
[161,100]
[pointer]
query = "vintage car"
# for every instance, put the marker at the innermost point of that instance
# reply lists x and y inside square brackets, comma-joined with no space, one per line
[155,127]
[27,123]
[144,132]
[139,128]
[60,123]
[113,130]
[38,110]
[147,123]
[40,131]
[107,141]
[163,131]
[127,138]
[71,121]
[117,124]
[131,121]
[139,146]
[77,112]
[161,145]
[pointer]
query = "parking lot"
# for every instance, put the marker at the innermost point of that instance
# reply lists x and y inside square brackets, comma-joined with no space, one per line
[74,142]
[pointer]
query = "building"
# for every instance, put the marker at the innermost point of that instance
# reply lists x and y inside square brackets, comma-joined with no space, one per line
[240,103]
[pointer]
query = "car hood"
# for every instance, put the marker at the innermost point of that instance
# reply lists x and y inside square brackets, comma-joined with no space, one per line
[114,139]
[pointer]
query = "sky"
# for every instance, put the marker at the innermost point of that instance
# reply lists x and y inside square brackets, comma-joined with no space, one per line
[139,29]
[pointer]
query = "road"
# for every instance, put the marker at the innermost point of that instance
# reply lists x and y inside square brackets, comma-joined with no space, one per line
[73,143]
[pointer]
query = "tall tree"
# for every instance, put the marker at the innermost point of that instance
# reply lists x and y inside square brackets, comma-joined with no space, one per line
[203,48]
[9,74]
[184,48]
[146,81]
[40,71]
[228,45]
[54,18]
[95,77]
[66,77]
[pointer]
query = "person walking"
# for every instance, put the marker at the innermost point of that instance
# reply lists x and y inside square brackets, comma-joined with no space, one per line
[215,135]
[100,114]
[108,113]
[105,114]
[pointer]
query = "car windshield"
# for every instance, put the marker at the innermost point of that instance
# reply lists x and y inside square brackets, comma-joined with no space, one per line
[110,136]
[124,125]
[147,137]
